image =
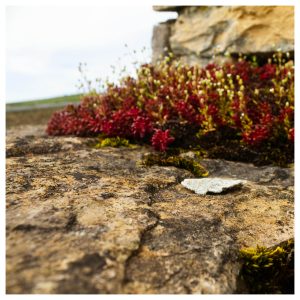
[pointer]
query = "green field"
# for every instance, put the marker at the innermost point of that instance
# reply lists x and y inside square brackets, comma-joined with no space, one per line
[36,112]
[57,100]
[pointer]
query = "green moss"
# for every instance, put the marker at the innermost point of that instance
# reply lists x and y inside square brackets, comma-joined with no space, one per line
[112,142]
[269,270]
[163,159]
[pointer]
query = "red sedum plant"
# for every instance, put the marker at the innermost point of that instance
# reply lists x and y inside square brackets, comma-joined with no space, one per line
[171,104]
[161,139]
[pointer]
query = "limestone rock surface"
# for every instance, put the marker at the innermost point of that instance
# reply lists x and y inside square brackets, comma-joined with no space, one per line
[202,32]
[160,40]
[166,8]
[89,221]
[203,186]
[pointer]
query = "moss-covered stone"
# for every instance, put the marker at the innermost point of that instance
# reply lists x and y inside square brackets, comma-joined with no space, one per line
[112,142]
[163,159]
[269,270]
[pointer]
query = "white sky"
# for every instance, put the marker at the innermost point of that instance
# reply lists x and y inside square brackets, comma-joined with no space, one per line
[44,45]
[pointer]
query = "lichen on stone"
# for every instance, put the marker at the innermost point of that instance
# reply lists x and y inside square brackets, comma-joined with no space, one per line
[164,159]
[269,270]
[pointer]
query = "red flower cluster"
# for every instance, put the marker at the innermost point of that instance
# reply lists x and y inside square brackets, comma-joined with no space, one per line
[267,71]
[127,123]
[161,139]
[187,111]
[256,101]
[71,121]
[257,135]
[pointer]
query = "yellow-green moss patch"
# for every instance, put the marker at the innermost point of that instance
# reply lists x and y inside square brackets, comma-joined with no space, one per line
[269,270]
[112,142]
[176,161]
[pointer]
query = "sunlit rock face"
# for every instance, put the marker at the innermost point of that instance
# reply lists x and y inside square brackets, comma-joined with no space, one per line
[82,220]
[203,32]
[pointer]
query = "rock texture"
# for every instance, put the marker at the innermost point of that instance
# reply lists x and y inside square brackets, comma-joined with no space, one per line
[202,32]
[83,220]
[160,40]
[167,8]
[217,185]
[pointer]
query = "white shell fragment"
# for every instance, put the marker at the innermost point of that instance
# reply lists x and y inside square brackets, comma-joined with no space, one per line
[216,185]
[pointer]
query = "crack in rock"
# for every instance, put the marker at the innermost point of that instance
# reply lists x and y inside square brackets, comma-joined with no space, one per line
[146,235]
[137,251]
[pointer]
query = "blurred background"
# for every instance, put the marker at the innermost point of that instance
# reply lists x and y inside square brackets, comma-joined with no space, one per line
[46,44]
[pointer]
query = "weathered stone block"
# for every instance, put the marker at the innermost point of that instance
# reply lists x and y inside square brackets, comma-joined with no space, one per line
[203,32]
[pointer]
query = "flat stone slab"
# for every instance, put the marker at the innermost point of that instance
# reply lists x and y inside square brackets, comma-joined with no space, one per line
[94,221]
[216,185]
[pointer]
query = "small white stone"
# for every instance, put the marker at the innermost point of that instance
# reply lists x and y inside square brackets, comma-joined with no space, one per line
[202,186]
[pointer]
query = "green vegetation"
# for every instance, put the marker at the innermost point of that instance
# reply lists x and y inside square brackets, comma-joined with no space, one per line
[112,142]
[56,100]
[164,159]
[238,111]
[269,270]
